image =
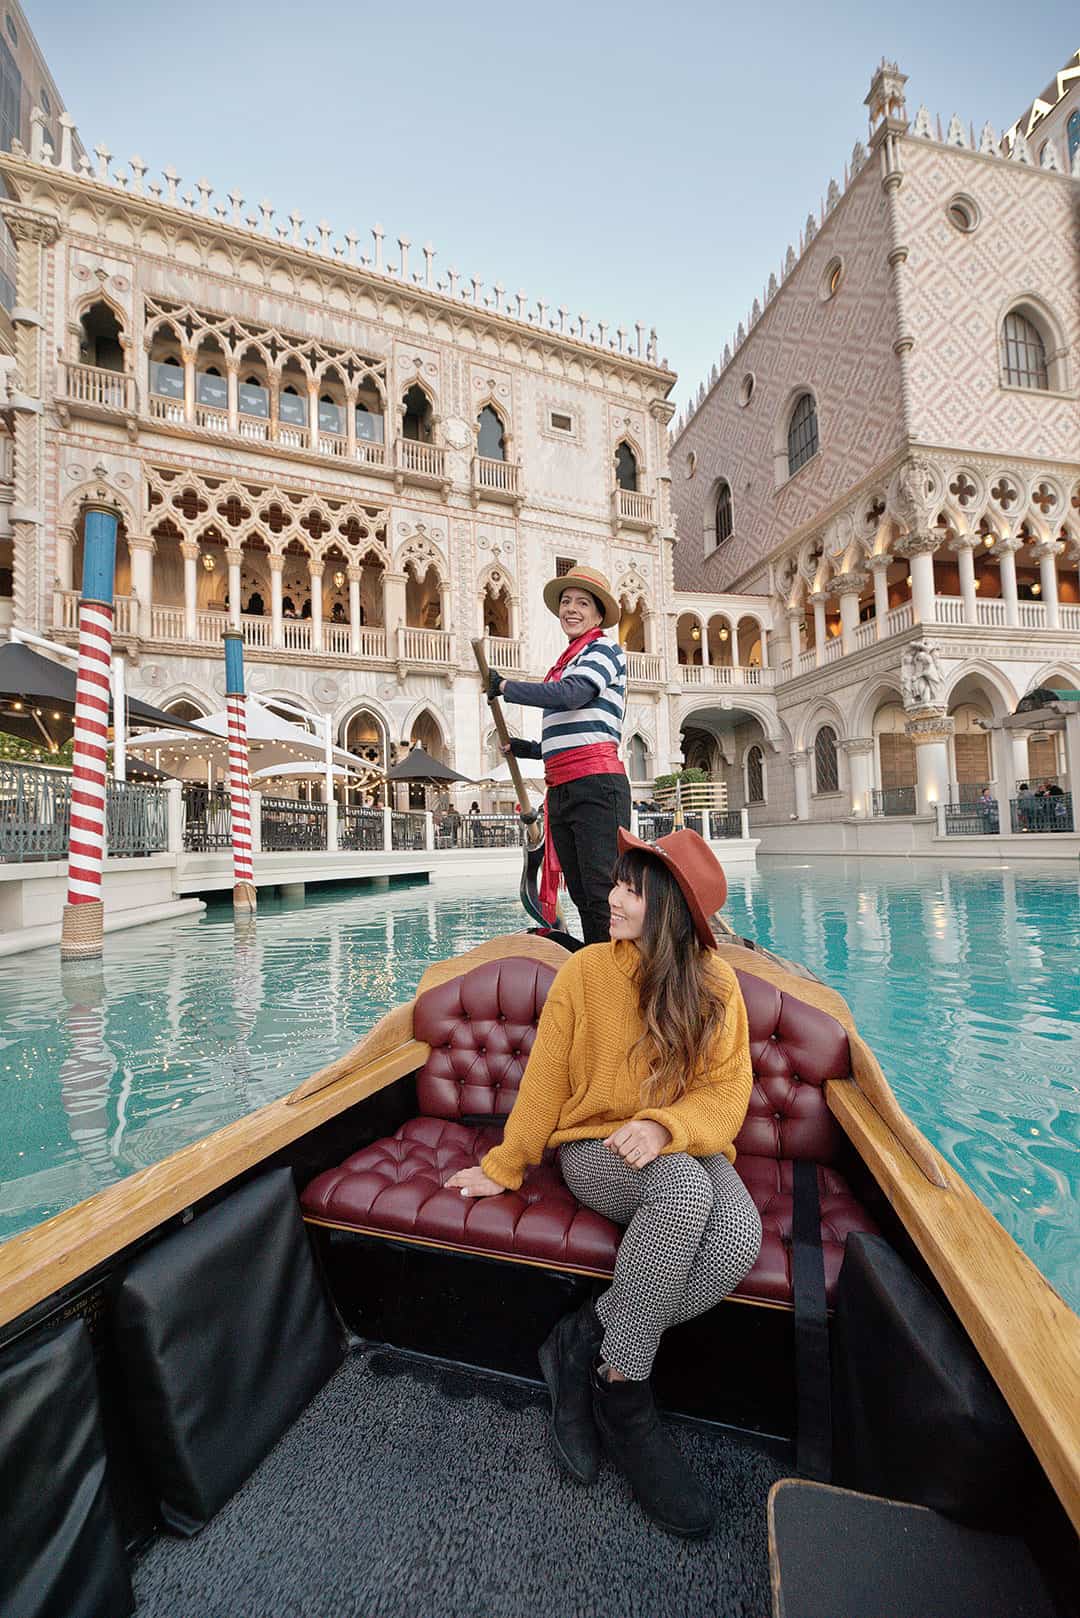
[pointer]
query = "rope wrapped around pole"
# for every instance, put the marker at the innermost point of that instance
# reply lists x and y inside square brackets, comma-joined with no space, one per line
[244,893]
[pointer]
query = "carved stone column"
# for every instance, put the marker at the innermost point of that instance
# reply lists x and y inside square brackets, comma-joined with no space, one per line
[1005,550]
[235,559]
[277,632]
[964,547]
[919,549]
[34,235]
[189,550]
[860,754]
[879,567]
[799,762]
[930,730]
[355,574]
[849,587]
[188,357]
[794,623]
[141,548]
[232,375]
[315,572]
[1046,555]
[818,599]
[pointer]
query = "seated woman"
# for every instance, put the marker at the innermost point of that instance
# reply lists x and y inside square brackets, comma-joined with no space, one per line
[640,1074]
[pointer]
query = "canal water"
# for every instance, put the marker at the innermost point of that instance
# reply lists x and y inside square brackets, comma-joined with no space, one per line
[963,979]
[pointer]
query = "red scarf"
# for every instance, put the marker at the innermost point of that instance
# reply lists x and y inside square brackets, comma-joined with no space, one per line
[599,758]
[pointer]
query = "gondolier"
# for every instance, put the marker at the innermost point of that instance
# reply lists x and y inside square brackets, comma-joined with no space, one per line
[583,695]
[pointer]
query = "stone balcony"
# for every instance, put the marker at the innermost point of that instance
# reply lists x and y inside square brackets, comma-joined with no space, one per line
[948,613]
[696,676]
[632,509]
[496,480]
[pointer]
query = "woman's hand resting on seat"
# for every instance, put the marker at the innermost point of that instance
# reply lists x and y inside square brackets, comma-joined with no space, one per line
[474,1183]
[639,1141]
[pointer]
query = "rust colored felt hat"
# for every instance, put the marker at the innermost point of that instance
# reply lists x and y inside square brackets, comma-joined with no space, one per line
[695,868]
[583,578]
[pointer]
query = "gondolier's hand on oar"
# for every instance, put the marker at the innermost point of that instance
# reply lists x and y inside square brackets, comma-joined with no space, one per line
[495,683]
[474,1183]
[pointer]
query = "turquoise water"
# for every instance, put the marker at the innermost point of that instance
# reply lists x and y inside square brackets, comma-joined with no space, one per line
[964,980]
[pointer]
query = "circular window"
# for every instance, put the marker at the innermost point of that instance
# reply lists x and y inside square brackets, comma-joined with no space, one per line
[691,463]
[746,388]
[962,214]
[13,32]
[46,104]
[830,281]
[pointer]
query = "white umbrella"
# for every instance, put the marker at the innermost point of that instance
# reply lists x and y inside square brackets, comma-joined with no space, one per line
[312,771]
[272,742]
[532,769]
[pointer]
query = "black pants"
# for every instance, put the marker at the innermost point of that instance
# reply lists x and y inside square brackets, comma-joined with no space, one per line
[583,818]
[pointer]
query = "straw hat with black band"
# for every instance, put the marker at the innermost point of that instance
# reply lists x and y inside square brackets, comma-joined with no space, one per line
[695,868]
[590,579]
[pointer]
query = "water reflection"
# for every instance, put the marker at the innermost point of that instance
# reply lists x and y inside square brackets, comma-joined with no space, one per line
[963,979]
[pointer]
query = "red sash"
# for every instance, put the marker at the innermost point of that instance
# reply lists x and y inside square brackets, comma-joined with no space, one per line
[598,758]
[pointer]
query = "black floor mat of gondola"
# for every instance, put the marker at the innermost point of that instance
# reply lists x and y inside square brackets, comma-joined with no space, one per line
[410,1489]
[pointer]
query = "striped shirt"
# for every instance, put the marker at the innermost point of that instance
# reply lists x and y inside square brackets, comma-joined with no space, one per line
[583,707]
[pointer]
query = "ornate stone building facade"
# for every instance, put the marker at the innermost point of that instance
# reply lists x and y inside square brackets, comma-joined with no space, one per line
[359,463]
[888,457]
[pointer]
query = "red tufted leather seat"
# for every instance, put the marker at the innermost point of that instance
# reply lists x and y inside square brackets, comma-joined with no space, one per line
[481,1028]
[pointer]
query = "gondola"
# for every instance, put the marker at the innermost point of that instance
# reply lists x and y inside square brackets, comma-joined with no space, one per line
[286,1371]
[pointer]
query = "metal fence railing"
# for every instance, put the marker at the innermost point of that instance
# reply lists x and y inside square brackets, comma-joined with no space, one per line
[35,807]
[972,819]
[724,823]
[652,826]
[1034,812]
[406,830]
[289,825]
[453,830]
[360,829]
[893,801]
[206,819]
[35,815]
[136,819]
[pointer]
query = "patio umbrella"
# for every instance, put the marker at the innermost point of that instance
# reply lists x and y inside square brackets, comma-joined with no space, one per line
[37,699]
[421,767]
[272,742]
[532,769]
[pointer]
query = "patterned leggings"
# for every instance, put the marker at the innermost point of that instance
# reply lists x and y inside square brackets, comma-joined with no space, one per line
[692,1233]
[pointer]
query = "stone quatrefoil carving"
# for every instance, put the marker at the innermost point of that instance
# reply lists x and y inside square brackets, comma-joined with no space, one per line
[1045,498]
[962,489]
[1004,493]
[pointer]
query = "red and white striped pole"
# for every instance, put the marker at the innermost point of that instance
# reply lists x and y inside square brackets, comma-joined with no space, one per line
[82,927]
[239,783]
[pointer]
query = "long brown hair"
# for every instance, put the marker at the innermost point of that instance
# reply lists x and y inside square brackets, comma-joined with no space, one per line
[677,995]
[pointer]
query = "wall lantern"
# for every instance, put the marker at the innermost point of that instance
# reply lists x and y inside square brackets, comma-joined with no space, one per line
[339,579]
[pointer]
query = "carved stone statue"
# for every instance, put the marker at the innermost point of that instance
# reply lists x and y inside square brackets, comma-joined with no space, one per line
[922,684]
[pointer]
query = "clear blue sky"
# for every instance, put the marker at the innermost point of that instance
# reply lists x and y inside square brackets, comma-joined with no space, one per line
[633,161]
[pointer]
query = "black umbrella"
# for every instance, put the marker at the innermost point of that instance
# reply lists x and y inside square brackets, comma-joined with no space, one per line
[420,766]
[37,699]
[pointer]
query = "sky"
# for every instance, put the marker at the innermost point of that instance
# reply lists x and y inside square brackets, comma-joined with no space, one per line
[634,162]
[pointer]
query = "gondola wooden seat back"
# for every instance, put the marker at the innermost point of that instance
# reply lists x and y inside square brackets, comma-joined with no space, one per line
[480,1028]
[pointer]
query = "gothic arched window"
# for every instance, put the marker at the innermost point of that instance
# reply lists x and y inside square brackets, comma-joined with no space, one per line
[755,776]
[826,770]
[626,469]
[725,519]
[1072,129]
[490,439]
[802,437]
[1023,352]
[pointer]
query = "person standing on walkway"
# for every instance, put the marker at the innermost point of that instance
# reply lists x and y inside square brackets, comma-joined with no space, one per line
[583,696]
[641,1074]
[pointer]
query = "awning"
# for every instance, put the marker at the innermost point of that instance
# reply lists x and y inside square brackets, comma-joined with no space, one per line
[37,699]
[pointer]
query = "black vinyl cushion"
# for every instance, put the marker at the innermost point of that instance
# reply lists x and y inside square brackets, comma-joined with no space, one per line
[916,1414]
[62,1555]
[224,1334]
[835,1554]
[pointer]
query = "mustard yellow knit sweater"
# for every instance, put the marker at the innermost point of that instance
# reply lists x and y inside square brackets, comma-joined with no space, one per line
[581,1084]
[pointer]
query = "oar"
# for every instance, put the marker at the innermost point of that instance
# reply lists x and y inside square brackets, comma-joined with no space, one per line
[529,817]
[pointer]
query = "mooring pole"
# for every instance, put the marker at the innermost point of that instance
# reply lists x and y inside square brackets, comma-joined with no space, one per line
[239,784]
[82,927]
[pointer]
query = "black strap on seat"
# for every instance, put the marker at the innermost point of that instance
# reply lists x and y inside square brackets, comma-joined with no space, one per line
[813,1443]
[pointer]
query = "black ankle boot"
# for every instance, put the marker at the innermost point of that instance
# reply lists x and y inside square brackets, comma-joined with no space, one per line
[631,1433]
[566,1358]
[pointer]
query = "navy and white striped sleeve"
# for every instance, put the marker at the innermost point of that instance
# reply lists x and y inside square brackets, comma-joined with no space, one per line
[602,663]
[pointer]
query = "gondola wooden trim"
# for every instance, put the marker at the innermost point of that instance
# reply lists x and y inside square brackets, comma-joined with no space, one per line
[1027,1336]
[47,1258]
